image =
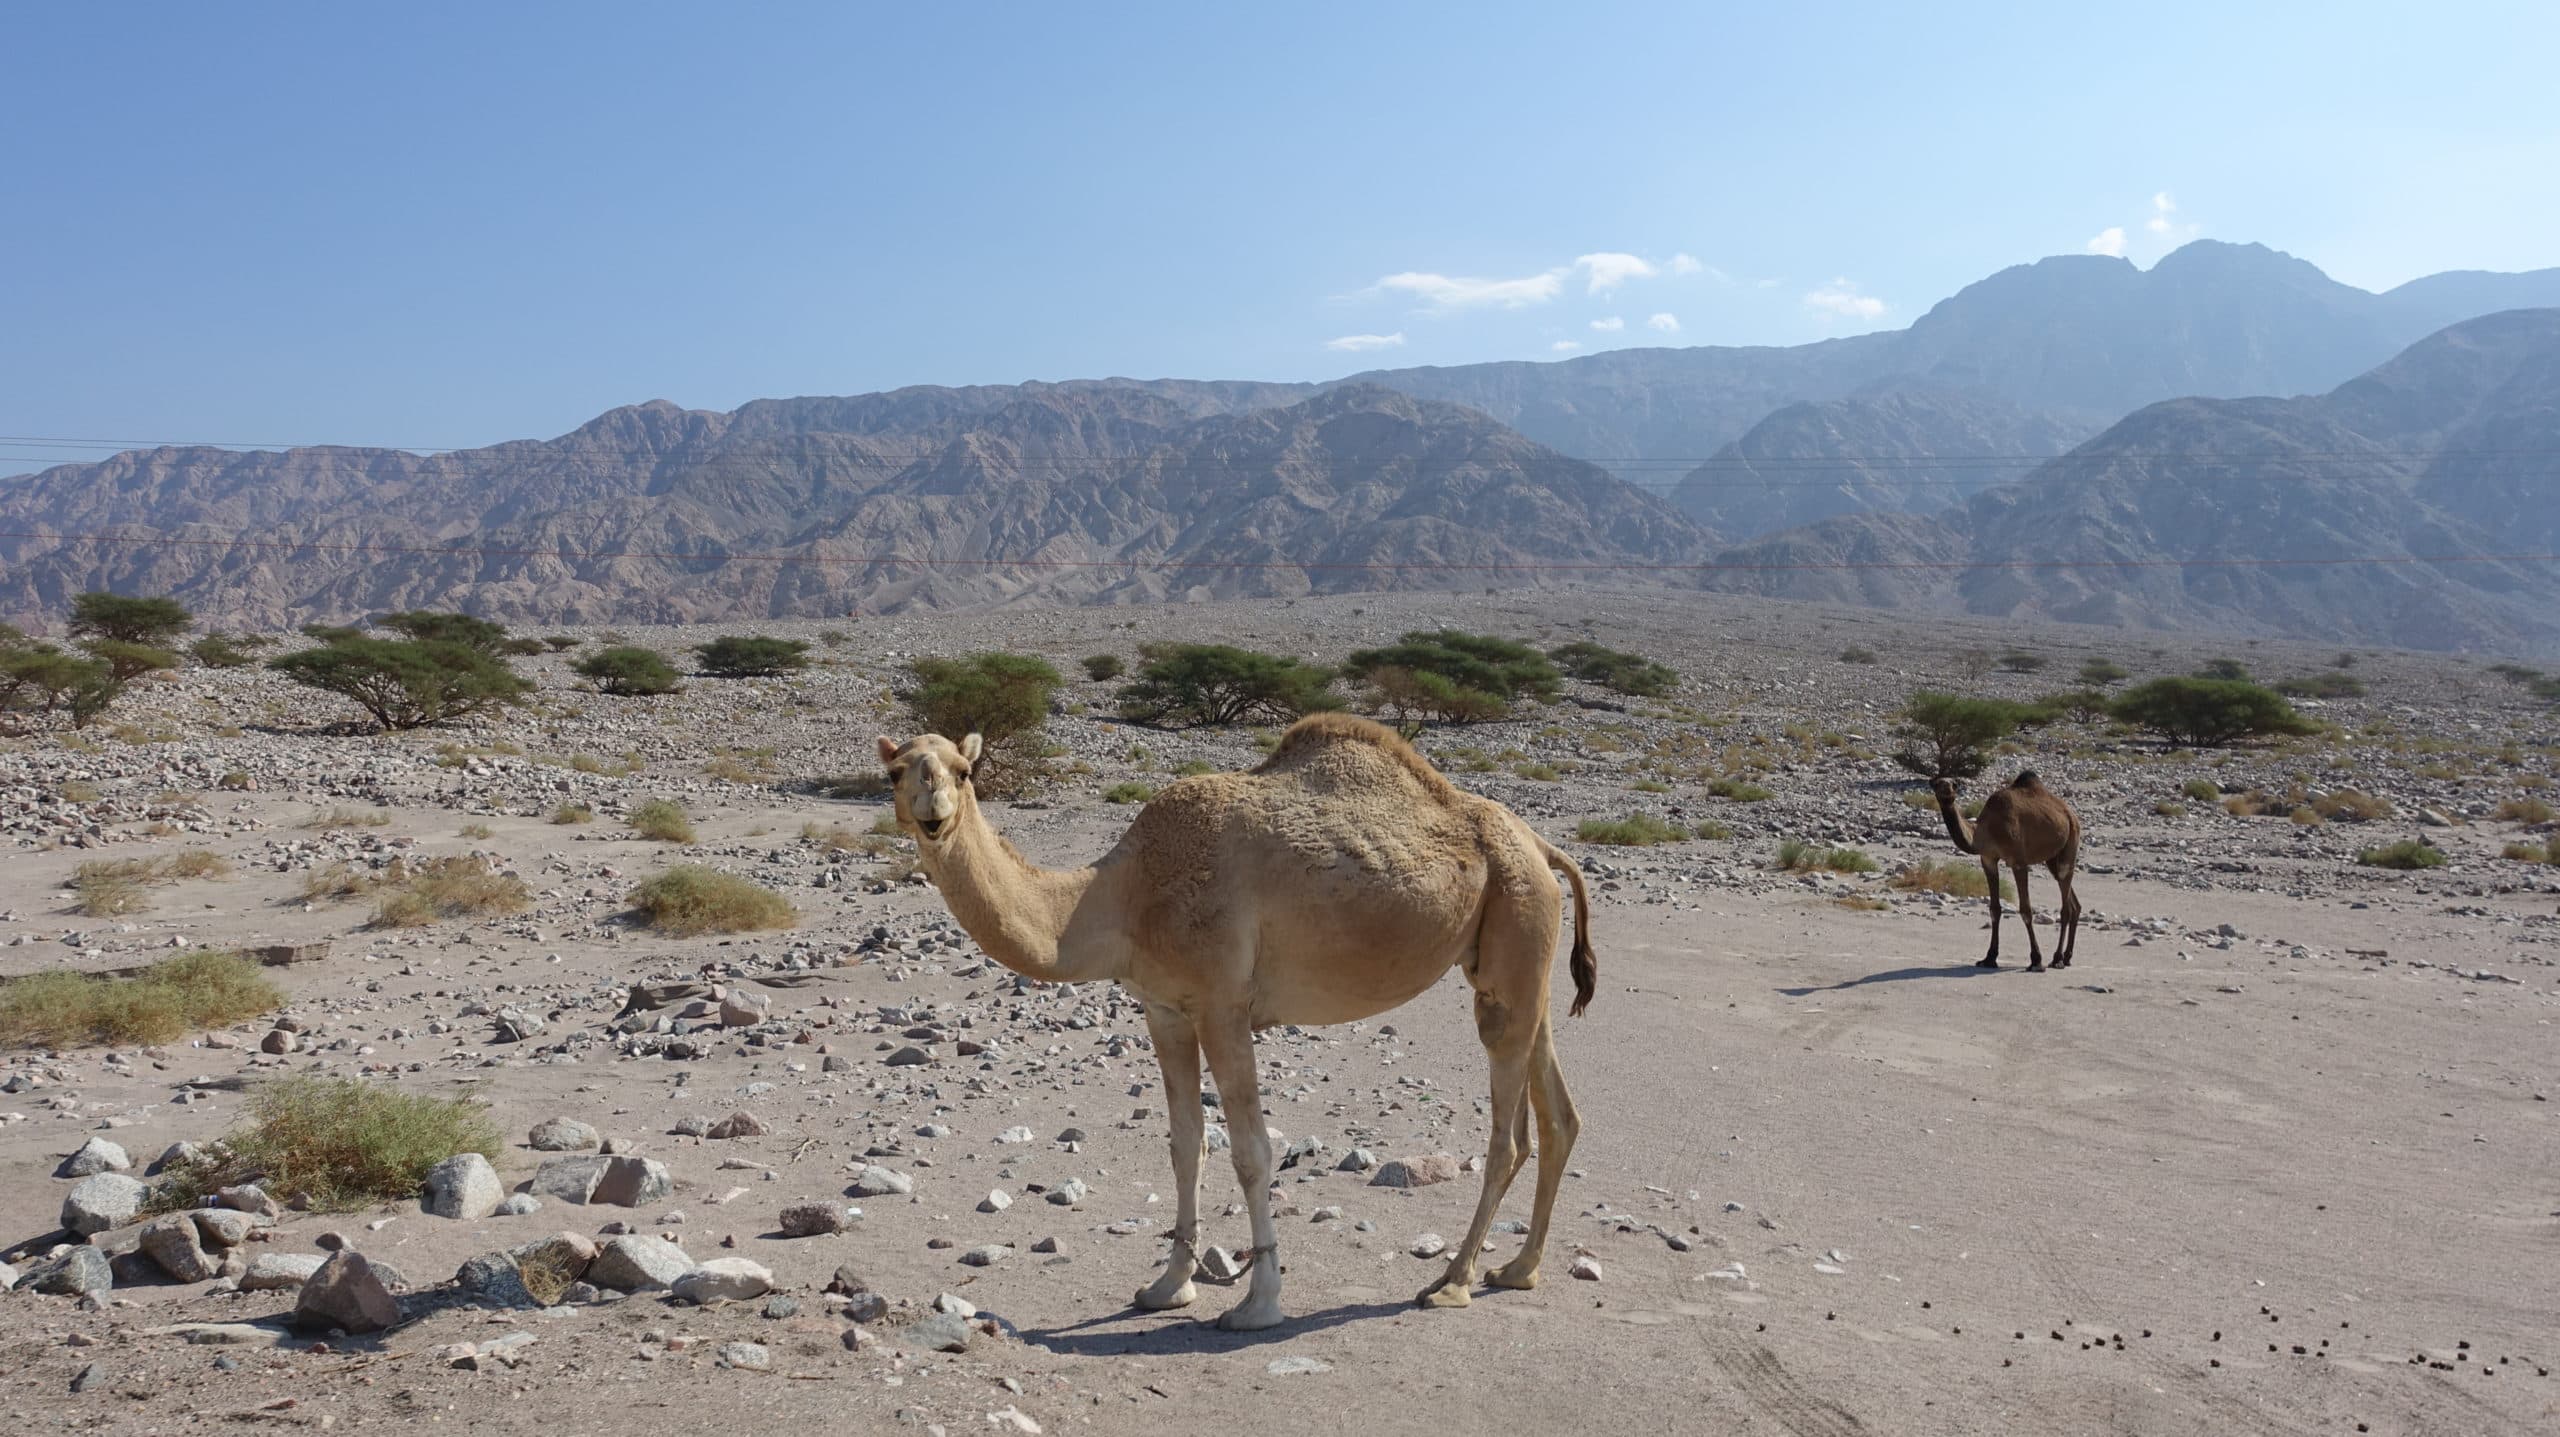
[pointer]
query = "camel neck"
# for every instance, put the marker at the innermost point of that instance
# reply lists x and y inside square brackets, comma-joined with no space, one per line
[1017,911]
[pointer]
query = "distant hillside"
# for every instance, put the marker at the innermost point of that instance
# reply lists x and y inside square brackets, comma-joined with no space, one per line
[2167,520]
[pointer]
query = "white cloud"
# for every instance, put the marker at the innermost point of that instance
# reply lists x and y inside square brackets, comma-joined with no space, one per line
[1840,300]
[1565,346]
[1608,271]
[1685,264]
[1667,323]
[2164,221]
[2108,241]
[1611,325]
[1360,343]
[1442,291]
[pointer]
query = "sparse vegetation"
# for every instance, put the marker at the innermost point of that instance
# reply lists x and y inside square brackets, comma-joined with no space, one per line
[407,683]
[435,889]
[333,1144]
[662,820]
[2228,671]
[2407,854]
[568,813]
[1180,685]
[1737,791]
[1537,772]
[689,899]
[1714,830]
[434,626]
[1630,674]
[1636,830]
[1959,880]
[1132,792]
[177,996]
[1000,697]
[1855,655]
[1103,668]
[218,650]
[2021,663]
[2098,673]
[751,656]
[2209,713]
[1946,735]
[348,818]
[2202,790]
[1452,677]
[2349,805]
[1797,856]
[627,671]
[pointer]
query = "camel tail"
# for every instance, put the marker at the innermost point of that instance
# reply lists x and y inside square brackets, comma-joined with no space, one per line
[1585,965]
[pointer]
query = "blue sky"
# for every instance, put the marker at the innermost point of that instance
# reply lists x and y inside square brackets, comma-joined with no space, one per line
[452,224]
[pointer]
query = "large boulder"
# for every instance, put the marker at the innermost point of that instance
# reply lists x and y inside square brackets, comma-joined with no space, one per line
[73,1272]
[724,1279]
[175,1244]
[877,1181]
[632,1181]
[348,1294]
[95,1156]
[1416,1172]
[280,1271]
[562,1135]
[101,1202]
[569,1179]
[463,1187]
[638,1264]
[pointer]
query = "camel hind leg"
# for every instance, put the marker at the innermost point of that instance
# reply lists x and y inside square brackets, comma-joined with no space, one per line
[1558,1126]
[1509,1033]
[1228,1041]
[1178,1056]
[2027,920]
[1991,880]
[2066,944]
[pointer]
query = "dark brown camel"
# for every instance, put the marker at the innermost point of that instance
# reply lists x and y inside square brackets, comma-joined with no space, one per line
[2022,824]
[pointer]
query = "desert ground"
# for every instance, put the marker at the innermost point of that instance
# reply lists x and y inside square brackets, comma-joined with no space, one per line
[2276,1155]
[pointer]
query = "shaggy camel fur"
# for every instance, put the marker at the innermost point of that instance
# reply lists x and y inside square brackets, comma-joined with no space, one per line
[2022,824]
[1337,880]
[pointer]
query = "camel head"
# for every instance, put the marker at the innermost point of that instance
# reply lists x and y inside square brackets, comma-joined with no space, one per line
[929,781]
[1945,789]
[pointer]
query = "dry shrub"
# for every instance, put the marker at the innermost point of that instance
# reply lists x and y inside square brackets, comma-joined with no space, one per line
[2523,810]
[1960,880]
[1636,830]
[185,994]
[689,899]
[661,819]
[573,813]
[2349,805]
[348,818]
[335,1144]
[439,888]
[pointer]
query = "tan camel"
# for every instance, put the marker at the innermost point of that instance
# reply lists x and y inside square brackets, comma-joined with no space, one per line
[2025,823]
[1337,880]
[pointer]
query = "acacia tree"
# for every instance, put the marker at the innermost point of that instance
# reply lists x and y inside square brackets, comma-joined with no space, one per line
[1182,684]
[407,683]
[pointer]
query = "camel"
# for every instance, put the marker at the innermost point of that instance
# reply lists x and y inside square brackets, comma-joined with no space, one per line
[2022,824]
[1337,880]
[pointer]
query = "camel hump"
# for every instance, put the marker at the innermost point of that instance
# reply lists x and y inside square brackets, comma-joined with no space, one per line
[1311,739]
[2026,779]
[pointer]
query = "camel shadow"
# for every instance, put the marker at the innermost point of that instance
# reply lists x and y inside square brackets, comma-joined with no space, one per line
[1111,1335]
[1898,975]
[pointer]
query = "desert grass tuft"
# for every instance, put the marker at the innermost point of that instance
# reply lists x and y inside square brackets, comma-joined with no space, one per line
[436,889]
[1636,830]
[180,995]
[661,819]
[334,1144]
[689,899]
[2407,854]
[1960,880]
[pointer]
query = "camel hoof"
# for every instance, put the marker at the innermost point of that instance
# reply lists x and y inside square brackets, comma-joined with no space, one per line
[1151,1300]
[1988,963]
[1515,1277]
[1246,1318]
[1444,1293]
[2035,967]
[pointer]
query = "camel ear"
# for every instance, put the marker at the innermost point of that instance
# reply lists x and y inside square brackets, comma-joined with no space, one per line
[888,751]
[970,748]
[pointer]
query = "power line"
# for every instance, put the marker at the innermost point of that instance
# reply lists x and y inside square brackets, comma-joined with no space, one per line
[929,563]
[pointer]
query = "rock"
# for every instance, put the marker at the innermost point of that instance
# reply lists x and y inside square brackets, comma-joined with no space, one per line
[986,1256]
[740,1124]
[1416,1172]
[693,1127]
[347,1294]
[8,1277]
[492,1278]
[562,1135]
[550,1266]
[249,1198]
[747,1356]
[812,1219]
[1068,1193]
[996,1200]
[633,1182]
[1010,1418]
[278,1042]
[220,1228]
[867,1307]
[1015,1134]
[101,1202]
[639,1264]
[463,1187]
[724,1279]
[2435,818]
[909,1057]
[936,1332]
[280,1271]
[739,1009]
[1430,1244]
[778,1307]
[95,1156]
[847,1280]
[1358,1160]
[1219,1265]
[516,1025]
[173,1244]
[874,1181]
[570,1180]
[74,1272]
[1586,1269]
[520,1205]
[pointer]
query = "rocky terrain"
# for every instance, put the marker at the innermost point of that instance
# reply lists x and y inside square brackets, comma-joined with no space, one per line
[2272,1157]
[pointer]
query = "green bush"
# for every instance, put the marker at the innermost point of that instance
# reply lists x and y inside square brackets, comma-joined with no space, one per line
[1452,676]
[2407,854]
[2202,790]
[1855,655]
[1631,674]
[1636,830]
[407,683]
[1947,735]
[751,656]
[333,1144]
[2098,673]
[1103,668]
[660,819]
[561,643]
[331,633]
[1002,698]
[1739,791]
[1131,792]
[689,899]
[2021,663]
[2230,671]
[2084,705]
[219,650]
[2208,713]
[430,626]
[42,678]
[1179,685]
[627,671]
[167,1001]
[1797,856]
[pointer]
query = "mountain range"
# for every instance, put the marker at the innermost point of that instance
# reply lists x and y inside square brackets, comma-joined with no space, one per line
[2074,412]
